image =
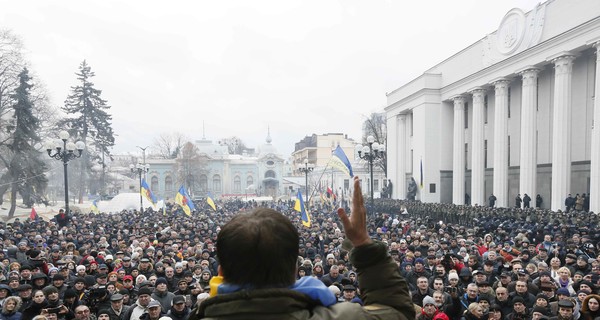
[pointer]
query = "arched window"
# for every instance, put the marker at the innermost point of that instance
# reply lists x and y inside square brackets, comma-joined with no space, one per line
[203,183]
[237,184]
[270,174]
[168,184]
[217,182]
[249,181]
[154,184]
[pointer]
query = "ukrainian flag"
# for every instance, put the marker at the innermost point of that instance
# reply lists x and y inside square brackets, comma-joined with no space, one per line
[299,206]
[146,192]
[340,161]
[94,207]
[184,201]
[210,201]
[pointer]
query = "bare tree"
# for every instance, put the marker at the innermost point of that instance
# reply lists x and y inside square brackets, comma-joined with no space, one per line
[191,168]
[235,145]
[375,125]
[11,64]
[169,145]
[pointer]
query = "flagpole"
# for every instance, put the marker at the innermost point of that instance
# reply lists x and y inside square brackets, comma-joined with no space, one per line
[314,188]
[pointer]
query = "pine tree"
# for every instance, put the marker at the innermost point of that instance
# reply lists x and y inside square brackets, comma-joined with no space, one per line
[25,168]
[89,121]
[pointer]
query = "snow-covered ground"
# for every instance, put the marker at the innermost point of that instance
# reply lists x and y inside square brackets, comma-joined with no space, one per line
[123,201]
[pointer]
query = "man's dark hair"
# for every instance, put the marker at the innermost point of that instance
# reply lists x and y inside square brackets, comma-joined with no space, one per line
[259,249]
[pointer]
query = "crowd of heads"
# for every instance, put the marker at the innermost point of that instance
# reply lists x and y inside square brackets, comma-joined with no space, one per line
[160,264]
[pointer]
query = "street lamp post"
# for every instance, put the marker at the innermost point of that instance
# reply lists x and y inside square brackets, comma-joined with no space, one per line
[65,152]
[306,170]
[143,154]
[371,153]
[140,169]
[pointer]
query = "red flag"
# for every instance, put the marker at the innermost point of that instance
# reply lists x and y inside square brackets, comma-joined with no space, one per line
[33,215]
[330,193]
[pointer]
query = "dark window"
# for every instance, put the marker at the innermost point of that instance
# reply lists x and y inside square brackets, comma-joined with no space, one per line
[509,151]
[508,102]
[485,109]
[466,155]
[466,115]
[217,182]
[432,188]
[485,152]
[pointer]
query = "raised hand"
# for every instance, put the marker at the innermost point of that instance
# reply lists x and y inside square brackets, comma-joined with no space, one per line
[355,226]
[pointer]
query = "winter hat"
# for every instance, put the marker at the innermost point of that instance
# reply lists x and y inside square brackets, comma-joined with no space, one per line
[452,275]
[330,256]
[334,289]
[518,299]
[70,293]
[563,291]
[178,299]
[145,290]
[419,260]
[80,268]
[160,280]
[428,300]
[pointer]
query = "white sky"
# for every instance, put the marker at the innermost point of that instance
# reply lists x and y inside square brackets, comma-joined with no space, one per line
[300,67]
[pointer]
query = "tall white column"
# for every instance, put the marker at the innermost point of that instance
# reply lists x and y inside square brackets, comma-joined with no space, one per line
[477,156]
[595,155]
[400,186]
[501,143]
[392,152]
[528,160]
[561,126]
[458,158]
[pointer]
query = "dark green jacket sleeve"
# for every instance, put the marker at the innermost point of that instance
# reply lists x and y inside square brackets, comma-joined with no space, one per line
[380,280]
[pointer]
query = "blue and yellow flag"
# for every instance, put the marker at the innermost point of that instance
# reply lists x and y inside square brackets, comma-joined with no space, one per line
[210,201]
[340,161]
[299,206]
[183,200]
[146,192]
[94,207]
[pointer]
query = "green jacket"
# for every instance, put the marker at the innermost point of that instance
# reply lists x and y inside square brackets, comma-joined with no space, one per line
[384,293]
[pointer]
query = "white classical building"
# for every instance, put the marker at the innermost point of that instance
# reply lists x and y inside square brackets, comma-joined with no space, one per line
[511,114]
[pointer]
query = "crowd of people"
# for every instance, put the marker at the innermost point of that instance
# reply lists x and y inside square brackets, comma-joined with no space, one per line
[449,262]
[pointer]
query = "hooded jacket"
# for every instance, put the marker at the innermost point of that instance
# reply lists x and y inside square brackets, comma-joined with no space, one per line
[384,292]
[14,314]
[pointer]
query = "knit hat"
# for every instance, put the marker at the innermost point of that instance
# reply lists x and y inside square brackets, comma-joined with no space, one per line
[419,260]
[334,289]
[145,290]
[452,275]
[428,300]
[518,299]
[330,256]
[541,296]
[70,293]
[160,280]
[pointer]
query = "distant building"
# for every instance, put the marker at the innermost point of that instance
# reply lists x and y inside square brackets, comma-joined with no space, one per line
[224,175]
[317,149]
[513,113]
